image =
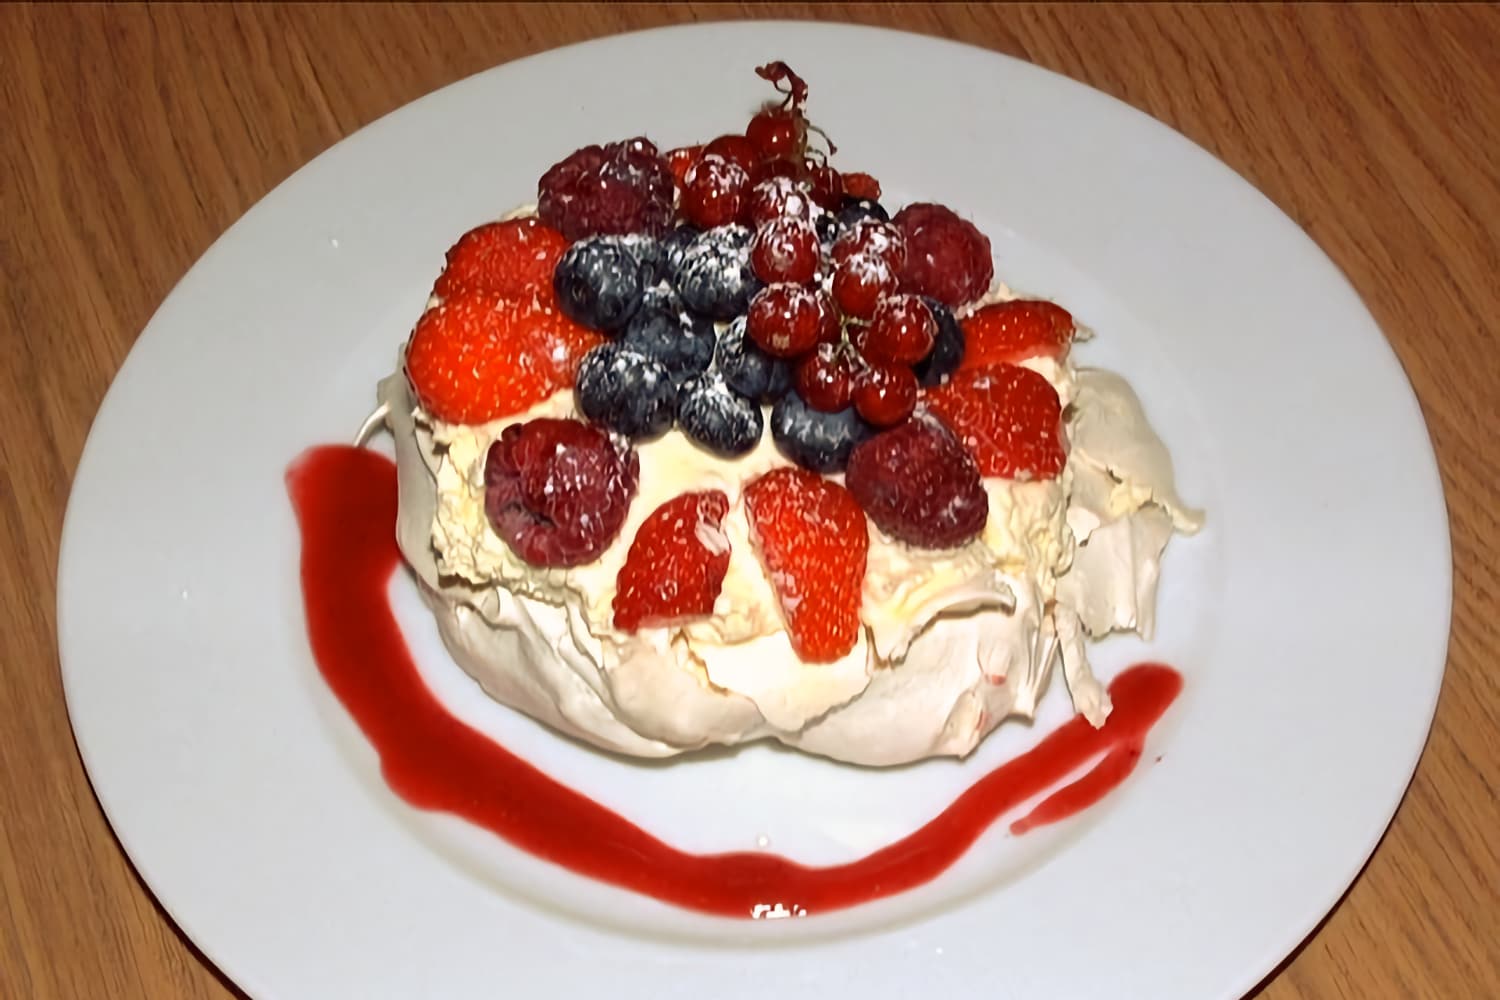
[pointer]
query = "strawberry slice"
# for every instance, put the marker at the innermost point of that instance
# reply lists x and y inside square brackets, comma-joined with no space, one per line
[676,564]
[1008,417]
[514,258]
[478,357]
[1014,331]
[813,540]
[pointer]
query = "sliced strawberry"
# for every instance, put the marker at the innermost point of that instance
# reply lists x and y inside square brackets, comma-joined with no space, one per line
[813,540]
[513,258]
[1014,331]
[1008,417]
[478,357]
[676,563]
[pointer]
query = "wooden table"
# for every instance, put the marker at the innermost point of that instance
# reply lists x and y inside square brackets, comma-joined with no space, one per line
[132,137]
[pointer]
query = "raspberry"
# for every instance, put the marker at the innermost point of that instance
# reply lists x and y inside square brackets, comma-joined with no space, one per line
[676,564]
[902,331]
[919,486]
[825,379]
[947,258]
[813,542]
[512,259]
[714,192]
[785,250]
[625,187]
[557,491]
[477,357]
[885,395]
[1016,330]
[789,320]
[1008,417]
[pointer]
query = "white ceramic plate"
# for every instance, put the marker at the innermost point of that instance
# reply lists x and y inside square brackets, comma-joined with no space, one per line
[254,809]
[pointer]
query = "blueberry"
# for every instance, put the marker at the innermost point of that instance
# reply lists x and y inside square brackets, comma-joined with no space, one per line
[947,347]
[599,282]
[826,225]
[813,439]
[749,370]
[664,330]
[668,256]
[713,276]
[626,391]
[717,418]
[855,210]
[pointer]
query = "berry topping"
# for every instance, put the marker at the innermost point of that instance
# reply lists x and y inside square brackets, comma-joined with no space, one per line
[778,134]
[736,149]
[818,441]
[511,258]
[713,275]
[663,330]
[919,486]
[947,348]
[1016,330]
[1008,417]
[825,378]
[626,391]
[676,563]
[860,282]
[872,238]
[714,192]
[827,187]
[663,257]
[788,320]
[717,418]
[625,187]
[680,159]
[861,187]
[947,258]
[857,210]
[599,282]
[812,539]
[885,395]
[750,371]
[557,491]
[902,331]
[778,198]
[785,249]
[476,357]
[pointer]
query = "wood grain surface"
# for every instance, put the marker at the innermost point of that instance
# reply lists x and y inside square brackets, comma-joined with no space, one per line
[133,136]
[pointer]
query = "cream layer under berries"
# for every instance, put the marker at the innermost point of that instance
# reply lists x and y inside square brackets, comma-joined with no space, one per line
[711,449]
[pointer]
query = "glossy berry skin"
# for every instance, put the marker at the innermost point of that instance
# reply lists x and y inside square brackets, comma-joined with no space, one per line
[778,198]
[919,485]
[750,371]
[860,187]
[714,192]
[788,320]
[680,159]
[1008,417]
[902,331]
[599,282]
[511,258]
[826,185]
[557,491]
[825,378]
[860,282]
[736,149]
[885,395]
[817,441]
[778,134]
[947,258]
[676,564]
[813,541]
[624,187]
[1016,330]
[664,330]
[871,238]
[718,419]
[785,249]
[713,275]
[626,391]
[948,350]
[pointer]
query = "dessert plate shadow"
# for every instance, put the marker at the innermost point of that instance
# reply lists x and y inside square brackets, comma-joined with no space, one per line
[253,809]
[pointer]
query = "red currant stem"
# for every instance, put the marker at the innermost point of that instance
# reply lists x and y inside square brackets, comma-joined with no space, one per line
[831,147]
[780,73]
